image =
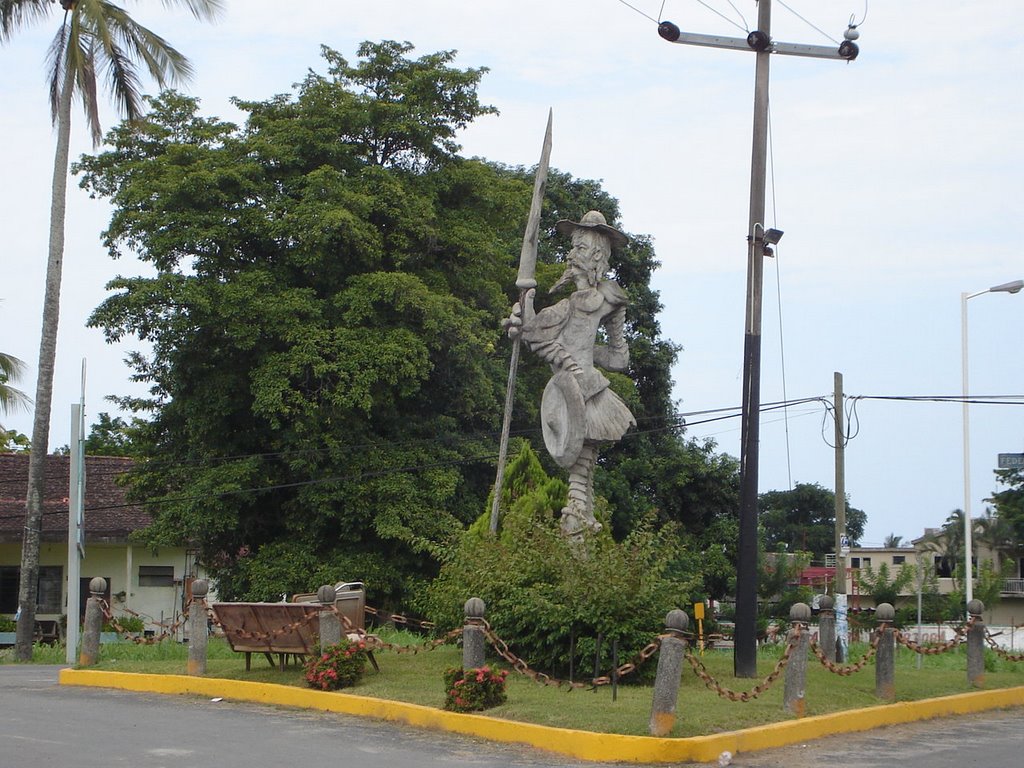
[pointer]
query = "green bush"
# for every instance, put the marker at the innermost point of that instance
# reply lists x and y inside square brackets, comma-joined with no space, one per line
[336,666]
[131,624]
[473,690]
[546,594]
[7,624]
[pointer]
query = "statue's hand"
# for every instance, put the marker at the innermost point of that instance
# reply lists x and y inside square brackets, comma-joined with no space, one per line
[522,313]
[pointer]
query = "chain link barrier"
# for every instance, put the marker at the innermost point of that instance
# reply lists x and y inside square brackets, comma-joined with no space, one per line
[850,669]
[542,678]
[1002,652]
[165,632]
[726,693]
[959,638]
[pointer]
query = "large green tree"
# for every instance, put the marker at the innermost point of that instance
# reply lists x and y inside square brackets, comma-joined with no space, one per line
[804,519]
[327,363]
[95,37]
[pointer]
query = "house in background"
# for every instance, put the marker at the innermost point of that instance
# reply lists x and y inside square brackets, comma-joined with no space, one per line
[927,550]
[154,584]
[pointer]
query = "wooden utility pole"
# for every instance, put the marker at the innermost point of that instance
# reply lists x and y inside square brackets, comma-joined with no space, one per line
[760,42]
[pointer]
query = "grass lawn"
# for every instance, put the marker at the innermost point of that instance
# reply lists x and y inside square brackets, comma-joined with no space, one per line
[417,678]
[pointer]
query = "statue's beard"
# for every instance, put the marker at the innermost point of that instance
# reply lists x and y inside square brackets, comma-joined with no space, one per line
[569,276]
[565,279]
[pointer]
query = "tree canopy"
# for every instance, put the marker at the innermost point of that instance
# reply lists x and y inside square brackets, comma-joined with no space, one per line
[327,365]
[804,519]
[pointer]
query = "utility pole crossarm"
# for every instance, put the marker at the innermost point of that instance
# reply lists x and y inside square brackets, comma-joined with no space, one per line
[845,51]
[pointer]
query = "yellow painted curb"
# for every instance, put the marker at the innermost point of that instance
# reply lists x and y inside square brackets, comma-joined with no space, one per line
[584,745]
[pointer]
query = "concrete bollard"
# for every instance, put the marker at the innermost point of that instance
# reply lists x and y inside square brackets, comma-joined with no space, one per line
[93,623]
[670,666]
[796,670]
[885,656]
[827,627]
[473,638]
[198,632]
[330,623]
[976,645]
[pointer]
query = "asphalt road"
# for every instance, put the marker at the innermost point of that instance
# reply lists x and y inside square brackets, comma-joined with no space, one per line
[45,725]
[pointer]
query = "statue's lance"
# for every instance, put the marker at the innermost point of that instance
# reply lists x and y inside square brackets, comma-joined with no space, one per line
[524,282]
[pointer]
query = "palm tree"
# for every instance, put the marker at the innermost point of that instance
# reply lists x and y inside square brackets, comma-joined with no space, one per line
[11,369]
[93,36]
[996,534]
[892,541]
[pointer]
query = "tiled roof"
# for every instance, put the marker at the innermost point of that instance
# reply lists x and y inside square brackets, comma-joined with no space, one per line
[108,517]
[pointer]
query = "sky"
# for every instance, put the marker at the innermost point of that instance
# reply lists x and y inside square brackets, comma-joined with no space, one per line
[894,177]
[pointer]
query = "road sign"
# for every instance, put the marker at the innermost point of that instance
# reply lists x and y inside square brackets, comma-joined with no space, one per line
[1011,460]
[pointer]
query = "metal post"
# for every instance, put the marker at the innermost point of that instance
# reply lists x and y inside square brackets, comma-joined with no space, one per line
[1014,286]
[745,634]
[968,545]
[76,486]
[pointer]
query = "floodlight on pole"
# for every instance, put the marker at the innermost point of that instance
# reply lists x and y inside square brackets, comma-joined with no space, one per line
[1013,286]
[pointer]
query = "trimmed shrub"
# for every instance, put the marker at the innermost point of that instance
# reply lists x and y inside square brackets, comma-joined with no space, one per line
[473,690]
[337,666]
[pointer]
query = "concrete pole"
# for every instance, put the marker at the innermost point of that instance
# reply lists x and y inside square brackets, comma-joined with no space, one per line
[827,627]
[796,670]
[976,645]
[885,656]
[198,634]
[666,681]
[93,623]
[473,638]
[745,633]
[330,623]
[840,514]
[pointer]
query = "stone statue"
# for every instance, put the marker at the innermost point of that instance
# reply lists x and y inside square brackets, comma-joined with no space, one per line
[578,410]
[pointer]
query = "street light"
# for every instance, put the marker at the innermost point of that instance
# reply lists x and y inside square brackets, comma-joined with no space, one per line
[1012,287]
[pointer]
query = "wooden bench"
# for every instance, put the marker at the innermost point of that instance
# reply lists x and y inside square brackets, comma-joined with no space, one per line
[287,628]
[269,628]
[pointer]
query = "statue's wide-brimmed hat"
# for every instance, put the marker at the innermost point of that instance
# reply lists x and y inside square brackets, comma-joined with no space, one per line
[592,220]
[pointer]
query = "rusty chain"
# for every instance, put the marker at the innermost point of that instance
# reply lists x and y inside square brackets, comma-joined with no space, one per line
[542,678]
[398,619]
[143,640]
[1002,652]
[932,650]
[709,681]
[850,669]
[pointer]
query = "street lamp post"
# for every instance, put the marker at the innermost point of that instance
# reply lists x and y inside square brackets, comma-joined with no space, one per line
[1012,287]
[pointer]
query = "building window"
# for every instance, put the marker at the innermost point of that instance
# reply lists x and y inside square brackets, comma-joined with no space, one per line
[855,562]
[156,575]
[9,589]
[944,567]
[865,562]
[49,589]
[899,559]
